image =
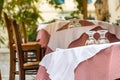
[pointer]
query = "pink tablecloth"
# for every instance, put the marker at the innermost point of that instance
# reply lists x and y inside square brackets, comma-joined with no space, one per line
[104,66]
[45,30]
[0,76]
[43,38]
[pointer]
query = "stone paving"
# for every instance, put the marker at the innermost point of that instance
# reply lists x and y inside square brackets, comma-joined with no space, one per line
[4,65]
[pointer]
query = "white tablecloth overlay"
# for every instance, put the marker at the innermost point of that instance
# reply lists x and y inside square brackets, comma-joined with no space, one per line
[114,29]
[62,39]
[52,27]
[60,64]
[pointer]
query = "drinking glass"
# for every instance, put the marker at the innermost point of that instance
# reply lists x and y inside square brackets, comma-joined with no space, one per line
[71,24]
[102,38]
[74,23]
[91,39]
[77,23]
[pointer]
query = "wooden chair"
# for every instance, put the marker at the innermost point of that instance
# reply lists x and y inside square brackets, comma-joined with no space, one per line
[23,66]
[12,50]
[27,46]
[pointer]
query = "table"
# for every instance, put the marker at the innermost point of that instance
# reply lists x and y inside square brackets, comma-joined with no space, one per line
[44,31]
[103,66]
[74,37]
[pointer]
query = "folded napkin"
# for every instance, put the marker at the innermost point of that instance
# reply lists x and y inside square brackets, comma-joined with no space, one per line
[60,64]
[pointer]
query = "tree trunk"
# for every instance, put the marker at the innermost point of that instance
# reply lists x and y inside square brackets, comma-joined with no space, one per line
[84,9]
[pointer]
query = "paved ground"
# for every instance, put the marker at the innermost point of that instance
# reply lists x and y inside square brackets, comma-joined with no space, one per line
[4,65]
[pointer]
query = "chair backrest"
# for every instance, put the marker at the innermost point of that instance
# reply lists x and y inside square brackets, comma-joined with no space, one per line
[10,32]
[18,41]
[9,29]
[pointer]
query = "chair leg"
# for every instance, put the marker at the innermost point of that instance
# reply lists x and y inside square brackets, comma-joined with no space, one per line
[22,74]
[12,65]
[38,55]
[26,56]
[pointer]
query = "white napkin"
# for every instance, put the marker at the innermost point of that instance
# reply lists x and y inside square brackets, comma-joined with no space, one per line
[60,64]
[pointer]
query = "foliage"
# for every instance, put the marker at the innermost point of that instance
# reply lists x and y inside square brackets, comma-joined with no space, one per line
[55,4]
[2,39]
[32,35]
[79,5]
[1,7]
[23,11]
[27,11]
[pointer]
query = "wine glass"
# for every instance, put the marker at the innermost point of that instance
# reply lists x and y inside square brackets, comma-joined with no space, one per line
[71,23]
[74,23]
[77,23]
[102,38]
[91,39]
